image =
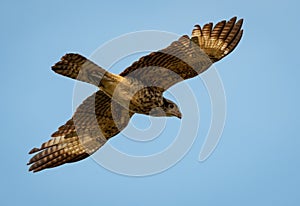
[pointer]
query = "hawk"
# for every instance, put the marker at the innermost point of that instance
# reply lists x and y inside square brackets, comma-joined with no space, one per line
[138,89]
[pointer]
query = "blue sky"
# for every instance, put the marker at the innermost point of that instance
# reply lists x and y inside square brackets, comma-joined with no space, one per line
[257,159]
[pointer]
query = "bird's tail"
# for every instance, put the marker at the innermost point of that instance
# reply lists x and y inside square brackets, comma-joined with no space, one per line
[78,67]
[220,40]
[62,148]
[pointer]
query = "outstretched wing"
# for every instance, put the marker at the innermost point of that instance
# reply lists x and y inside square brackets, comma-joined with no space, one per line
[95,121]
[187,57]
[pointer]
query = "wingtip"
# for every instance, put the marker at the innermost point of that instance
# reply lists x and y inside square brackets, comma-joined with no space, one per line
[34,150]
[32,170]
[237,20]
[240,22]
[233,19]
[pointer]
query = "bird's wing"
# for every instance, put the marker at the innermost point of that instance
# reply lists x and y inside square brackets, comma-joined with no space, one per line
[187,57]
[95,121]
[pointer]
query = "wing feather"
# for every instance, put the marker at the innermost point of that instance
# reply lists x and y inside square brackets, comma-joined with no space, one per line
[187,57]
[217,30]
[95,121]
[226,30]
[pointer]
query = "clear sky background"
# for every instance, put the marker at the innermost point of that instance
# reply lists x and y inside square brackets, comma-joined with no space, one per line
[257,160]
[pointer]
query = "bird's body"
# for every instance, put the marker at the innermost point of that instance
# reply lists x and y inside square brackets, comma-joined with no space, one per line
[138,89]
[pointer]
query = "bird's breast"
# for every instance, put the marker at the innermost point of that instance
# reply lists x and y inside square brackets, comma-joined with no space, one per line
[136,97]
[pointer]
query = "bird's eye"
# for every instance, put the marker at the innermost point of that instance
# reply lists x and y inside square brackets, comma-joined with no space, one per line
[171,106]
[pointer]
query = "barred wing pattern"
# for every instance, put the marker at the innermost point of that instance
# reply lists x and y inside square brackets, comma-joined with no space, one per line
[187,57]
[95,121]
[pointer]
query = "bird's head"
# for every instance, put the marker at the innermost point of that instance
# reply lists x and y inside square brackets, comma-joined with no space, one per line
[171,109]
[167,109]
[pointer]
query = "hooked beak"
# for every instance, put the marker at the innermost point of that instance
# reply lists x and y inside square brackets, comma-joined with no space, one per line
[178,114]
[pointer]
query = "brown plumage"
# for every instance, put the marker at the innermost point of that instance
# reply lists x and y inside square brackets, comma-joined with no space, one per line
[93,123]
[138,89]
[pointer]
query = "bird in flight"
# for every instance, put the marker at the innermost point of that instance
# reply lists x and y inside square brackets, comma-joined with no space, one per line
[138,89]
